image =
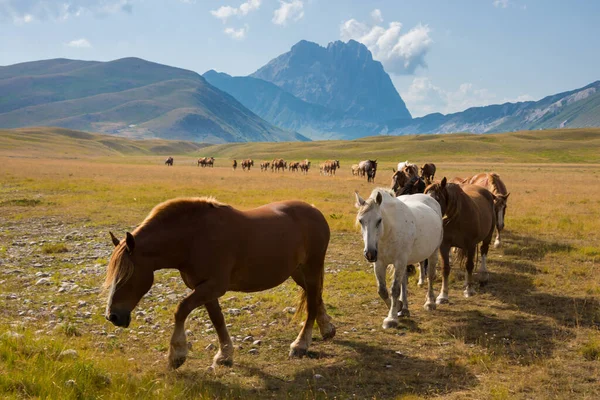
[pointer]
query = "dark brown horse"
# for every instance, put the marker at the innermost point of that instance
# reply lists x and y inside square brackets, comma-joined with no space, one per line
[368,168]
[305,166]
[234,164]
[264,166]
[217,248]
[469,219]
[402,177]
[169,161]
[246,164]
[428,172]
[492,182]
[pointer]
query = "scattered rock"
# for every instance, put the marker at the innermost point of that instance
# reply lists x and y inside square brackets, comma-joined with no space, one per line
[234,311]
[257,342]
[289,310]
[253,351]
[248,339]
[210,347]
[318,376]
[43,281]
[70,353]
[70,383]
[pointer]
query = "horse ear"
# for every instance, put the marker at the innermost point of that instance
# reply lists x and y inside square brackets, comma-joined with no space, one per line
[359,200]
[115,241]
[378,199]
[506,196]
[130,242]
[444,181]
[394,170]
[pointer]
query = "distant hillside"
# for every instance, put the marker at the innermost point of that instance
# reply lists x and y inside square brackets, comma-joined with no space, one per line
[342,77]
[128,97]
[578,108]
[285,110]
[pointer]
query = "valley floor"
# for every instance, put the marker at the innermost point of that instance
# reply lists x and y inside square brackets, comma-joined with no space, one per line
[532,332]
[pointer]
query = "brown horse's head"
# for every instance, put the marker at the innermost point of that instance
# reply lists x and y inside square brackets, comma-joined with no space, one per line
[399,179]
[500,202]
[126,281]
[439,192]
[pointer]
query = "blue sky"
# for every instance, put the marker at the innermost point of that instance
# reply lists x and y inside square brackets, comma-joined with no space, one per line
[443,56]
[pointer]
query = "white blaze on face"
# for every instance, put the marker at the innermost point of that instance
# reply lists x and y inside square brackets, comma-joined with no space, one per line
[500,218]
[370,226]
[110,298]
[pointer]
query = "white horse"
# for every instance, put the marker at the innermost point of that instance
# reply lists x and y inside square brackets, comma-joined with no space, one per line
[400,231]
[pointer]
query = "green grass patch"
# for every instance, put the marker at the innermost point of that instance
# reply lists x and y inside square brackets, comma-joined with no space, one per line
[53,248]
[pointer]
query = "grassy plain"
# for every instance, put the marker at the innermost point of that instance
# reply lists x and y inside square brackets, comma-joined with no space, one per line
[533,332]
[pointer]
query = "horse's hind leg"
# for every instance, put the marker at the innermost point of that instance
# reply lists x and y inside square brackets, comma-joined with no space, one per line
[431,265]
[445,253]
[404,297]
[422,272]
[470,265]
[225,354]
[311,281]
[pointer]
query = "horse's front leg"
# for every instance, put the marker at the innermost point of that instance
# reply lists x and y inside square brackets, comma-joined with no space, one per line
[225,354]
[201,294]
[470,266]
[391,321]
[431,265]
[380,270]
[404,297]
[445,254]
[422,272]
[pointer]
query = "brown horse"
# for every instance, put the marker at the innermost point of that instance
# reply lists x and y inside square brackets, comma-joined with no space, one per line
[403,176]
[234,164]
[246,164]
[368,168]
[264,166]
[469,219]
[278,164]
[246,251]
[169,161]
[428,172]
[492,182]
[305,166]
[294,166]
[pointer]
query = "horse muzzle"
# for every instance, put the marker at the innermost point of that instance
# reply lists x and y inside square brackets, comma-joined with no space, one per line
[371,255]
[119,319]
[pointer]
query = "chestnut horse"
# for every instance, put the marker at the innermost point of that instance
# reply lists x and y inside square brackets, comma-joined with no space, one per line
[247,164]
[234,164]
[428,172]
[469,219]
[217,248]
[492,182]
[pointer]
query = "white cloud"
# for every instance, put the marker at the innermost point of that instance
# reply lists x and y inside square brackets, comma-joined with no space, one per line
[237,34]
[225,12]
[501,3]
[20,11]
[293,10]
[376,16]
[400,53]
[82,43]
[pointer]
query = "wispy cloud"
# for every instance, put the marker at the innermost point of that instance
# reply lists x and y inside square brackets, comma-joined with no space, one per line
[501,3]
[24,11]
[237,34]
[400,53]
[82,43]
[225,12]
[423,97]
[288,11]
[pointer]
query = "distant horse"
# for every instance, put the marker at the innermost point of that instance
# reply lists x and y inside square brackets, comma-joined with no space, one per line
[400,231]
[169,161]
[305,166]
[493,183]
[246,251]
[278,164]
[403,176]
[246,164]
[234,165]
[206,162]
[469,219]
[428,172]
[294,166]
[264,166]
[368,168]
[414,186]
[355,170]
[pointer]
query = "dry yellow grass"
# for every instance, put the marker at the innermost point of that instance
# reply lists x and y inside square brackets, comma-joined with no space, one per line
[533,332]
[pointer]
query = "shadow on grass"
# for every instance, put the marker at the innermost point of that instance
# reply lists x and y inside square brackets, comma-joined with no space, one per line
[523,340]
[529,248]
[372,372]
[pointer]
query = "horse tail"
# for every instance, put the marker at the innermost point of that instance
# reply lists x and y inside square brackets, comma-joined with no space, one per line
[302,305]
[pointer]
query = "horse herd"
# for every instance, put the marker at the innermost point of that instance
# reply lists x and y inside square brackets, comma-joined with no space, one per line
[258,249]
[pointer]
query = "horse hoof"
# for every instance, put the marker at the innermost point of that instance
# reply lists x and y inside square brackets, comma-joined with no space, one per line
[429,306]
[497,244]
[390,323]
[329,334]
[421,283]
[483,283]
[176,362]
[442,300]
[298,352]
[469,293]
[404,313]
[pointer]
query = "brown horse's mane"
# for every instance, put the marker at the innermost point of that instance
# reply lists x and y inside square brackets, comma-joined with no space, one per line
[497,183]
[454,206]
[120,267]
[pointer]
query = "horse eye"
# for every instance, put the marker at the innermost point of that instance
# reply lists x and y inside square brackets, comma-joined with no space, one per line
[378,222]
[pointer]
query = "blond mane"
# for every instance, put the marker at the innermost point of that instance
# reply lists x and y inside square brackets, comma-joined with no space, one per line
[120,268]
